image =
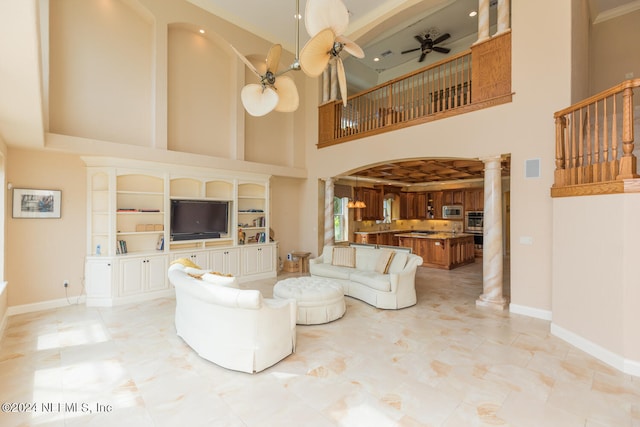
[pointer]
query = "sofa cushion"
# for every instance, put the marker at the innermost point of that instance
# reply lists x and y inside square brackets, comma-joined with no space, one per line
[331,271]
[398,262]
[384,261]
[380,282]
[344,257]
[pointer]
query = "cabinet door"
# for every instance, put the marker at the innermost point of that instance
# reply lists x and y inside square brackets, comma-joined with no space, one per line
[249,260]
[99,279]
[438,202]
[156,273]
[420,204]
[437,252]
[266,259]
[131,276]
[225,261]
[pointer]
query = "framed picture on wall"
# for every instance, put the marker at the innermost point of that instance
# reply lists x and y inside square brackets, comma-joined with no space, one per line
[29,203]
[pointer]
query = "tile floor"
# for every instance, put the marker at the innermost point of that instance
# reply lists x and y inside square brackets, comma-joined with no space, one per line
[442,362]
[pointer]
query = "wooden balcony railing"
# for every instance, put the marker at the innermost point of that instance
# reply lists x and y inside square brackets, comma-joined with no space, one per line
[440,90]
[594,144]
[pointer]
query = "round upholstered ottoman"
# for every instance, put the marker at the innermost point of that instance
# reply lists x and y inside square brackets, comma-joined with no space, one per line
[319,300]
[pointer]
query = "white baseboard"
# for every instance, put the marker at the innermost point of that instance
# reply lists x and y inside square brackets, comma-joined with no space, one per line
[631,367]
[44,305]
[530,311]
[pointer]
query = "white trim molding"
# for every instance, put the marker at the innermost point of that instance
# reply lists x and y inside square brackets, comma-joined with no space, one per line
[538,313]
[44,305]
[631,367]
[617,11]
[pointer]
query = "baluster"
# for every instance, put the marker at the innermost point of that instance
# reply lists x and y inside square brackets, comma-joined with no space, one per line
[612,169]
[600,171]
[580,164]
[596,146]
[574,150]
[628,166]
[589,172]
[560,172]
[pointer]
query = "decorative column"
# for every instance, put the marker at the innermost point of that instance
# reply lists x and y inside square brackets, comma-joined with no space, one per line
[483,20]
[329,233]
[492,249]
[503,16]
[326,81]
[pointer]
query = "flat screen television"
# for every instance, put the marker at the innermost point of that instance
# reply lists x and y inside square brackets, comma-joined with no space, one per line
[199,219]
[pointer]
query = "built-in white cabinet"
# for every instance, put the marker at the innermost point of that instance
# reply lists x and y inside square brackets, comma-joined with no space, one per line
[225,261]
[129,244]
[99,275]
[258,260]
[143,274]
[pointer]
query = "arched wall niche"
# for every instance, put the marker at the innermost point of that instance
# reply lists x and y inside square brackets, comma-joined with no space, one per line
[101,71]
[200,99]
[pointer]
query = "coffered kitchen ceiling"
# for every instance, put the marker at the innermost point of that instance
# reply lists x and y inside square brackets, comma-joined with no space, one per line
[423,171]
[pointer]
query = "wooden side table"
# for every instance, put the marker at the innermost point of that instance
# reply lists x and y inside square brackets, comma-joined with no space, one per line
[304,260]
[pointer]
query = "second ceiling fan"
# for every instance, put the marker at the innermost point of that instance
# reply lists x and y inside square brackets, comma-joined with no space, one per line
[428,45]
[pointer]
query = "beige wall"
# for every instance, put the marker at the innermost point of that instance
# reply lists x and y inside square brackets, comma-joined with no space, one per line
[596,290]
[101,69]
[199,114]
[614,51]
[42,253]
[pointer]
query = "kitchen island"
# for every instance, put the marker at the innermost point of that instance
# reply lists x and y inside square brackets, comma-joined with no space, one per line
[440,249]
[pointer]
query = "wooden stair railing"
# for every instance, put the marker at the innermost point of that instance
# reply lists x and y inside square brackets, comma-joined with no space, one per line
[440,90]
[595,143]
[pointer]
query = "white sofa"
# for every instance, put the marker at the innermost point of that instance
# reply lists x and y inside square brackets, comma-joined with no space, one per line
[234,328]
[367,281]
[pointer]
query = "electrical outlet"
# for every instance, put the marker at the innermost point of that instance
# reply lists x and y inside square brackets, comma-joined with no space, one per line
[65,283]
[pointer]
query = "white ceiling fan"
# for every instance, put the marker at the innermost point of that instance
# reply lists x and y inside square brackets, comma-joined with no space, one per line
[326,21]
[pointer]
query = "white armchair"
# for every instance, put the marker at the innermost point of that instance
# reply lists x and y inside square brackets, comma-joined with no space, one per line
[234,328]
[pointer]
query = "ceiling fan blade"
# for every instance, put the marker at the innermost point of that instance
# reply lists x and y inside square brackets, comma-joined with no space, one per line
[257,100]
[321,14]
[410,50]
[441,49]
[273,58]
[442,38]
[424,54]
[351,47]
[315,55]
[246,61]
[420,39]
[342,80]
[287,94]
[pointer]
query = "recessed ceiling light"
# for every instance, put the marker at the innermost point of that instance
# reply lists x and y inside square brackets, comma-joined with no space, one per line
[376,59]
[473,13]
[201,31]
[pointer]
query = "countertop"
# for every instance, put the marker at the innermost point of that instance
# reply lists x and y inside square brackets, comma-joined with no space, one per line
[420,234]
[440,235]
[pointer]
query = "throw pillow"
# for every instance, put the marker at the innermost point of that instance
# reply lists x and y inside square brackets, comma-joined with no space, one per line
[345,257]
[186,262]
[384,261]
[398,262]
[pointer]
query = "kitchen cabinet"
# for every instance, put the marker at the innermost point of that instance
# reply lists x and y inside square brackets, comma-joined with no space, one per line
[474,199]
[372,198]
[441,250]
[434,204]
[452,197]
[413,205]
